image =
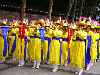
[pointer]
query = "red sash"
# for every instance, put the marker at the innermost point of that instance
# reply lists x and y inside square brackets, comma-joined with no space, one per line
[22,28]
[70,33]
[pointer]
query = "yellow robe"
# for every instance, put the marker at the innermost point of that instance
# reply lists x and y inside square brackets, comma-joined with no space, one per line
[45,47]
[1,46]
[30,44]
[35,47]
[54,57]
[46,44]
[93,49]
[19,51]
[99,44]
[64,49]
[77,50]
[11,39]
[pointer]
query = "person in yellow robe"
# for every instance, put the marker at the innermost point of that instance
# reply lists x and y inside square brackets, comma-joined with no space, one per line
[36,50]
[99,44]
[99,41]
[54,57]
[20,45]
[46,44]
[4,32]
[16,52]
[31,44]
[1,47]
[11,40]
[77,50]
[36,45]
[64,46]
[93,49]
[90,47]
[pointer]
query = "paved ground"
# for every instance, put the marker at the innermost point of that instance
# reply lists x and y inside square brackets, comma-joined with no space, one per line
[44,70]
[95,69]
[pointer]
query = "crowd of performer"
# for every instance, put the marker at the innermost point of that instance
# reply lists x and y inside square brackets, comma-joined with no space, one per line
[57,42]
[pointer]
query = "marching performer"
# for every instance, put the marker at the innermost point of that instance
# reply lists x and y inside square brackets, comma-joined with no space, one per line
[77,50]
[12,37]
[46,43]
[4,31]
[99,39]
[54,57]
[64,56]
[19,51]
[16,30]
[93,50]
[90,51]
[37,45]
[32,29]
[96,43]
[1,47]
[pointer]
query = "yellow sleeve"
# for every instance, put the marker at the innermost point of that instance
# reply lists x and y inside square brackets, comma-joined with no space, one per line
[38,33]
[50,33]
[83,35]
[65,35]
[75,35]
[45,34]
[59,34]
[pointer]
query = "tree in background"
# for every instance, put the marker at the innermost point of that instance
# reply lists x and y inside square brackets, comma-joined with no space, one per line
[50,9]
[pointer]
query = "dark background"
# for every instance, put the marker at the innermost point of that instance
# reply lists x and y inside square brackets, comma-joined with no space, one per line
[59,7]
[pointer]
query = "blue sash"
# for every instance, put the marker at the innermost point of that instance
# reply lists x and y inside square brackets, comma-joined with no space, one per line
[79,39]
[89,41]
[41,30]
[14,45]
[64,39]
[4,32]
[68,55]
[34,36]
[87,51]
[25,43]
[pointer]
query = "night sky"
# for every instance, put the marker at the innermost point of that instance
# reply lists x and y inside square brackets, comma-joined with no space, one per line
[42,5]
[59,5]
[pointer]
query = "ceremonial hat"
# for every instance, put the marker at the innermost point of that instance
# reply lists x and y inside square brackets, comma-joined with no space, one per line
[82,22]
[74,26]
[47,25]
[57,24]
[92,27]
[40,21]
[88,22]
[65,25]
